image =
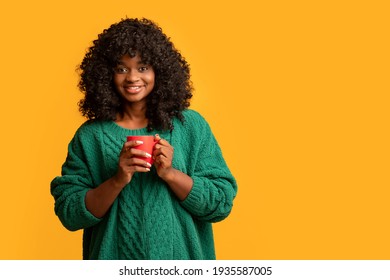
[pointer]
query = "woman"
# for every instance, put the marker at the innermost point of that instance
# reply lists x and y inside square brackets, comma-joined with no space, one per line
[136,83]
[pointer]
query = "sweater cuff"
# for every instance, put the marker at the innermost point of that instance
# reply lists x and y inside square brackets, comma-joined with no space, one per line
[195,201]
[89,218]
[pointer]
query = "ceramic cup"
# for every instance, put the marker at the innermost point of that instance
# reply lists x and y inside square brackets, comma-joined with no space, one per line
[147,146]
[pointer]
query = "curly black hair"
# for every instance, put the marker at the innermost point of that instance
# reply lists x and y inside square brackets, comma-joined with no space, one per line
[172,90]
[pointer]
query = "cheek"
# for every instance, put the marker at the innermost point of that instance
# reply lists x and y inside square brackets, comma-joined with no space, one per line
[117,81]
[150,79]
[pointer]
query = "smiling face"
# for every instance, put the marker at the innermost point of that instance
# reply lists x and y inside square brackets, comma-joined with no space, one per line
[133,79]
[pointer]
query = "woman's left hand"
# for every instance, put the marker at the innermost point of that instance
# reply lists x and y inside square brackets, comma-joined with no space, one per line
[163,155]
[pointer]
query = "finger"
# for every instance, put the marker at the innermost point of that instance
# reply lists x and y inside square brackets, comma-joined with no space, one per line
[142,167]
[157,137]
[162,161]
[158,151]
[129,144]
[137,168]
[132,143]
[134,161]
[167,151]
[161,141]
[137,155]
[133,152]
[160,157]
[158,160]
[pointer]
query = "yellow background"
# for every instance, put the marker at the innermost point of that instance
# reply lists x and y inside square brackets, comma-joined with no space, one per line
[296,92]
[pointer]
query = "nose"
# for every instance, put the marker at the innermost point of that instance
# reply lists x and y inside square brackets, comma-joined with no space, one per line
[132,76]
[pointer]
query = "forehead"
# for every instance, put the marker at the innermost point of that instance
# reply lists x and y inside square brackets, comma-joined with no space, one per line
[127,59]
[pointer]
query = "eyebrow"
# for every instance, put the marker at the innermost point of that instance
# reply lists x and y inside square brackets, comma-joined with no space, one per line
[138,63]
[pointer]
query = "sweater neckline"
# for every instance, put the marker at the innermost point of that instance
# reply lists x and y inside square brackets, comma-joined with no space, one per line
[121,131]
[116,128]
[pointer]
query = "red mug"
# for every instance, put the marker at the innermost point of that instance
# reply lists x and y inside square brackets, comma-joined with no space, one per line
[146,146]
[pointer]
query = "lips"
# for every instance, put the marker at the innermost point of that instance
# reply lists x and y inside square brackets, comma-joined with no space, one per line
[133,89]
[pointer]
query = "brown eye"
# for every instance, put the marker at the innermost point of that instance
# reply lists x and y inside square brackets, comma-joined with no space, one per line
[143,69]
[121,70]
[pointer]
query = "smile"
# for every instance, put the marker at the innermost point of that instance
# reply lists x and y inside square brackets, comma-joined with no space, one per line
[133,89]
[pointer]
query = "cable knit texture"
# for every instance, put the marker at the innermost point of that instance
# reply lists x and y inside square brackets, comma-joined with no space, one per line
[146,221]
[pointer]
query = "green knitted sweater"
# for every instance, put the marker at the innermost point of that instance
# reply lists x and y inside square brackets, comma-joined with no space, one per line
[146,221]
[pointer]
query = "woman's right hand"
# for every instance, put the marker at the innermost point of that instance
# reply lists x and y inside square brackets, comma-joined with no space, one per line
[129,163]
[99,200]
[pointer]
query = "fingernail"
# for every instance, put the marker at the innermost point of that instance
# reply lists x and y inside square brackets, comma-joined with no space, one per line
[148,155]
[139,142]
[148,164]
[147,169]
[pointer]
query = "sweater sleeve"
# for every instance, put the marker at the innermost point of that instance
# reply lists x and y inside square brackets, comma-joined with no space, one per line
[214,187]
[69,190]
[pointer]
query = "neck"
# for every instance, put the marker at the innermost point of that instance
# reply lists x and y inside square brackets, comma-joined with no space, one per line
[132,117]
